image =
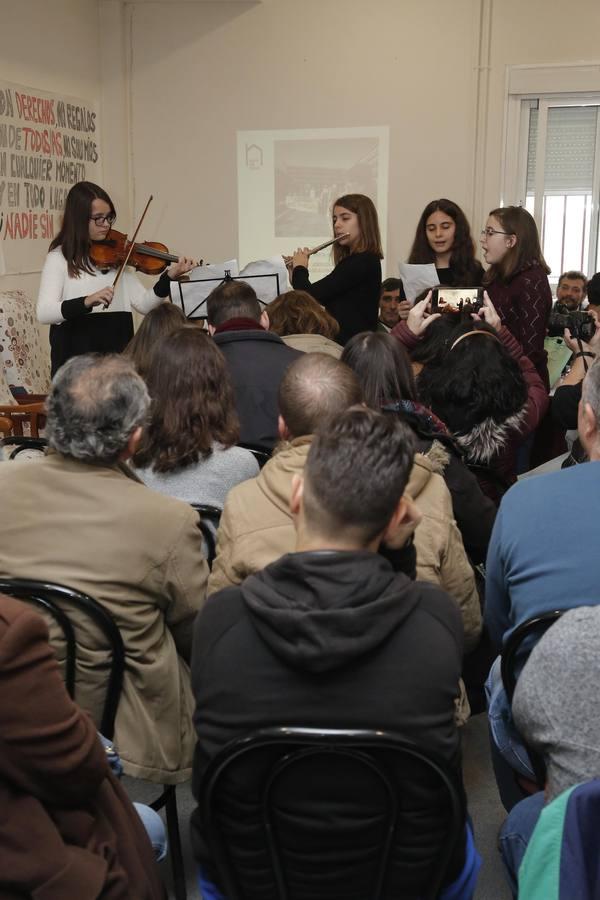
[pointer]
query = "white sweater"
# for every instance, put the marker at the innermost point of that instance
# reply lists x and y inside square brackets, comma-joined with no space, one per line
[57,285]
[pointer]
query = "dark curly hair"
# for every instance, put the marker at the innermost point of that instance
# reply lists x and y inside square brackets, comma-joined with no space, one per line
[472,380]
[467,270]
[192,402]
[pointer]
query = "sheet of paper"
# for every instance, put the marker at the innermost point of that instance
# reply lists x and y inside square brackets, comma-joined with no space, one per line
[118,301]
[558,357]
[191,295]
[417,279]
[269,277]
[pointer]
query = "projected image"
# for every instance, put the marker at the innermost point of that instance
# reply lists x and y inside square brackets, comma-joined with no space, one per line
[311,174]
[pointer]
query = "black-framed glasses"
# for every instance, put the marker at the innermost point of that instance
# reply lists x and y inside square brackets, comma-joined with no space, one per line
[488,232]
[101,220]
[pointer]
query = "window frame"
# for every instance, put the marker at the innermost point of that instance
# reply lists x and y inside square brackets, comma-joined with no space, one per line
[546,87]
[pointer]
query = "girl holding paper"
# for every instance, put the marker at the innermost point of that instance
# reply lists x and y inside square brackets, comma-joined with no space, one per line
[351,292]
[72,288]
[443,237]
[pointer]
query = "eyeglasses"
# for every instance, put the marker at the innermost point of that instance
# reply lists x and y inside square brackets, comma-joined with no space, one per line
[101,220]
[488,232]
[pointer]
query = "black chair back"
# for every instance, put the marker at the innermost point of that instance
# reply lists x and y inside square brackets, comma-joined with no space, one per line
[514,655]
[519,644]
[24,443]
[209,515]
[311,814]
[58,600]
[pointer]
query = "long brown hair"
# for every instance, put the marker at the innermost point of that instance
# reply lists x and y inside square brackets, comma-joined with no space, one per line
[462,257]
[382,367]
[192,402]
[370,238]
[159,322]
[296,312]
[526,252]
[74,235]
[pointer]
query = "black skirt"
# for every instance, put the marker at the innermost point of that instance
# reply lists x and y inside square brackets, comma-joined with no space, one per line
[107,332]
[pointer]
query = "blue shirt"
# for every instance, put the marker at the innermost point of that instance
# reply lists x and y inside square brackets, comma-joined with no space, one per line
[542,552]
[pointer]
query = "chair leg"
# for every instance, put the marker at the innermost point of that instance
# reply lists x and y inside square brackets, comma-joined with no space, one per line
[175,844]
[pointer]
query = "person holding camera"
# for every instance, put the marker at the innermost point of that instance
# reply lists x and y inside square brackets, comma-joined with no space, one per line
[565,401]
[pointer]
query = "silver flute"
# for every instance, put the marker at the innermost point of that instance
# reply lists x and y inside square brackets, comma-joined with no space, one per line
[321,246]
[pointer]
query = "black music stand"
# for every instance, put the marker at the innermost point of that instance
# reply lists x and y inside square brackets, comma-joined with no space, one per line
[218,281]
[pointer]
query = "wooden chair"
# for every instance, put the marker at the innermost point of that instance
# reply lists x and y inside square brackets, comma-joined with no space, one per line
[31,413]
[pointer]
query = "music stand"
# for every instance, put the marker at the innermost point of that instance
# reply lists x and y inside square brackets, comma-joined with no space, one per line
[216,282]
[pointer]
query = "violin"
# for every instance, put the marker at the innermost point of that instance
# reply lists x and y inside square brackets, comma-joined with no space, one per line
[150,257]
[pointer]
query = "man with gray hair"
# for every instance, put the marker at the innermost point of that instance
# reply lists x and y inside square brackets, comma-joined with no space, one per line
[80,518]
[539,559]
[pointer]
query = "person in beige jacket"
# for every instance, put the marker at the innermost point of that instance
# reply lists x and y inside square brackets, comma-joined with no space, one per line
[79,518]
[303,324]
[256,527]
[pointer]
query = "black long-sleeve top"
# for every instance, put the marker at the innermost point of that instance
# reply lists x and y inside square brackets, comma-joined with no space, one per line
[350,293]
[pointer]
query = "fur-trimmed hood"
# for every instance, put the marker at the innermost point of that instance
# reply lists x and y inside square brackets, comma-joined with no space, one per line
[486,440]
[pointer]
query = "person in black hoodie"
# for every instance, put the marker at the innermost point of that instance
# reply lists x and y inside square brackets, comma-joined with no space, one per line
[330,636]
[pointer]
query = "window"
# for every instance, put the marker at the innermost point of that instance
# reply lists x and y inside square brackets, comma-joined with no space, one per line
[558,176]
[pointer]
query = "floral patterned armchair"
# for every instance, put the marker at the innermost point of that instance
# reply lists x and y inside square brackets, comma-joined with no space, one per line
[24,352]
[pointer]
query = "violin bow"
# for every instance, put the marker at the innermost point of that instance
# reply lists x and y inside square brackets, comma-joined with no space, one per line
[135,234]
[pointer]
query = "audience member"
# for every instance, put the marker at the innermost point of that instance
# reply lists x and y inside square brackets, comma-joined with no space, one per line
[79,517]
[443,237]
[571,290]
[159,322]
[565,402]
[536,564]
[517,280]
[555,710]
[393,304]
[593,295]
[385,375]
[332,637]
[303,324]
[67,828]
[256,358]
[188,447]
[256,526]
[481,386]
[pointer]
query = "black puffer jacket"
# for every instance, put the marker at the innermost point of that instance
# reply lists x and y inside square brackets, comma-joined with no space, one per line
[473,510]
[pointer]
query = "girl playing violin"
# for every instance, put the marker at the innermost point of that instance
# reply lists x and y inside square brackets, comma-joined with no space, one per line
[72,288]
[351,292]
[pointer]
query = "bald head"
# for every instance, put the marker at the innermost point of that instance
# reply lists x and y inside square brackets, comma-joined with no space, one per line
[314,388]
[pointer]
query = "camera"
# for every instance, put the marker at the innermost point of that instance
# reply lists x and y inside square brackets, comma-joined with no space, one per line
[581,324]
[456,299]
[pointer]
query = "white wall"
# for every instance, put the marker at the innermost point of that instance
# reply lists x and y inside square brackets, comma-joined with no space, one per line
[203,71]
[52,46]
[176,80]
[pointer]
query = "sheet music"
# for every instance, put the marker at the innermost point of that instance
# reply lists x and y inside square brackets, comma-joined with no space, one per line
[417,278]
[267,288]
[203,280]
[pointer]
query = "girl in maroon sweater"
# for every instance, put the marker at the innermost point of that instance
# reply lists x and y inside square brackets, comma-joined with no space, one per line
[517,280]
